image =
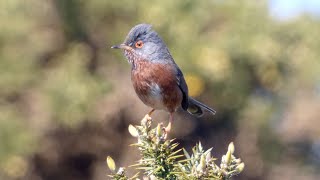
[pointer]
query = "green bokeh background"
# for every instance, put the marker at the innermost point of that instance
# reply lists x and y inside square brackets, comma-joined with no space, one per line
[66,98]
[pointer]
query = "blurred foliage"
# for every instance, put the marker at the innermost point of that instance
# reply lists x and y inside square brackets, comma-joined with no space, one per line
[261,74]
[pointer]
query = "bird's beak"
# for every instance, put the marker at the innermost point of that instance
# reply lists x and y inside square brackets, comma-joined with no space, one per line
[122,46]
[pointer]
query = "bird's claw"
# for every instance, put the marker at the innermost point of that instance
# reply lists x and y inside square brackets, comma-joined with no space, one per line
[146,120]
[167,129]
[147,117]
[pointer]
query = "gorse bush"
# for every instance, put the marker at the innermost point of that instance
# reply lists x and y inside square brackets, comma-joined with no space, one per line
[161,159]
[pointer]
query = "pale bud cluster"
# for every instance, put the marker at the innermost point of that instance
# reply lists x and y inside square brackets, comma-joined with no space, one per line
[160,158]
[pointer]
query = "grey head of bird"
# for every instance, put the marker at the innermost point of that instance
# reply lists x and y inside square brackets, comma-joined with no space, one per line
[143,43]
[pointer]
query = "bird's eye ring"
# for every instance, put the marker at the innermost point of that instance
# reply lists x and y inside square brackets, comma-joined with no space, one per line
[139,44]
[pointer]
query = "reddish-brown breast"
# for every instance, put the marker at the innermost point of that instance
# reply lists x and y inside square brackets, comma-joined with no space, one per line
[156,85]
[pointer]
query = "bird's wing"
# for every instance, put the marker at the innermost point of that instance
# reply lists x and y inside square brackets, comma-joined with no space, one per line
[184,88]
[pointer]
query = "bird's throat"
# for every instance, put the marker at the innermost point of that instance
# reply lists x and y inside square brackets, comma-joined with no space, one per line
[132,58]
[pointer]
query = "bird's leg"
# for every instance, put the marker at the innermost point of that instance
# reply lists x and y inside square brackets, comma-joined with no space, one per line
[148,116]
[152,110]
[168,128]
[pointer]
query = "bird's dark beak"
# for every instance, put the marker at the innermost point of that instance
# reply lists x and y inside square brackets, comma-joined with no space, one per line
[121,46]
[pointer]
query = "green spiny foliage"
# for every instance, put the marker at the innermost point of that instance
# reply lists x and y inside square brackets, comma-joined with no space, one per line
[160,158]
[201,165]
[159,155]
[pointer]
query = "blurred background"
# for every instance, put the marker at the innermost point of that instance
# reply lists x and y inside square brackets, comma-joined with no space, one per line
[66,98]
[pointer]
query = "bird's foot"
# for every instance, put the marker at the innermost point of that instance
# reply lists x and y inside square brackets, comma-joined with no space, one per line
[167,129]
[147,117]
[146,120]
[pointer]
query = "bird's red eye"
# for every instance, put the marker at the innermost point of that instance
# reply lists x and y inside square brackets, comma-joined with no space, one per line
[139,44]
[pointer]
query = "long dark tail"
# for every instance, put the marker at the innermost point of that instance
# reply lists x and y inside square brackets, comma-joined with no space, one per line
[196,108]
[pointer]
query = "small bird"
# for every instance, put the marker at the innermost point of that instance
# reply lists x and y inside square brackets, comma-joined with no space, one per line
[156,78]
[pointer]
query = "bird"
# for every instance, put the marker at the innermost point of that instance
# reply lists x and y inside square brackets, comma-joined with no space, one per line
[156,78]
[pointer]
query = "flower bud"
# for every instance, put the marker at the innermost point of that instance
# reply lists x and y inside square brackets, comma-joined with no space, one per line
[159,130]
[228,157]
[133,131]
[111,164]
[231,148]
[202,164]
[121,171]
[240,167]
[208,156]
